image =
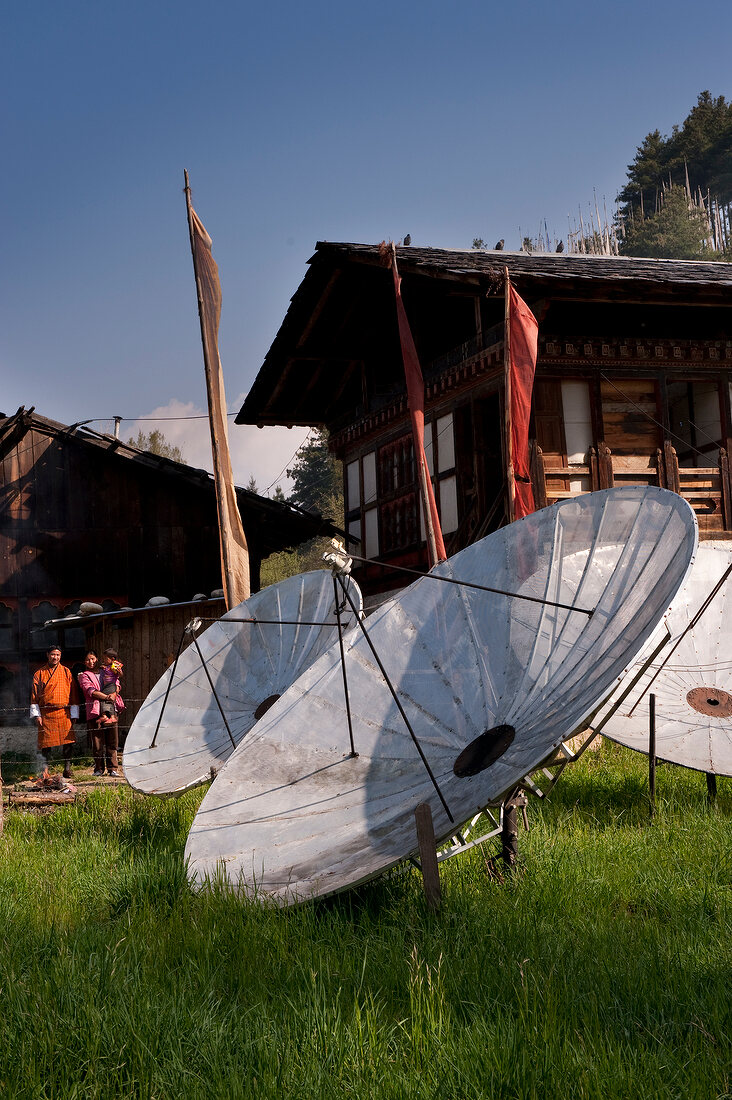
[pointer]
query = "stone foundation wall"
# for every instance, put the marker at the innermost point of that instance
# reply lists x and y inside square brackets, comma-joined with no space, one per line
[24,739]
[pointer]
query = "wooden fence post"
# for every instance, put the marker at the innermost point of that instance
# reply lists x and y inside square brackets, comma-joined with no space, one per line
[509,830]
[538,474]
[671,462]
[724,486]
[652,751]
[605,464]
[428,855]
[711,788]
[660,469]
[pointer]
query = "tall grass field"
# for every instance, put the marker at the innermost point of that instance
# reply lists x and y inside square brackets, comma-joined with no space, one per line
[601,968]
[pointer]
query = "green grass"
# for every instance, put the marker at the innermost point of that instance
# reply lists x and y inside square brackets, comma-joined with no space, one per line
[601,969]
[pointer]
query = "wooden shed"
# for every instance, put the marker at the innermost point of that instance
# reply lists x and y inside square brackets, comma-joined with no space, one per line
[632,384]
[147,641]
[85,516]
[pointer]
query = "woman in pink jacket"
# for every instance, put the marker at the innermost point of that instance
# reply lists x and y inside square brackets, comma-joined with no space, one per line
[103,731]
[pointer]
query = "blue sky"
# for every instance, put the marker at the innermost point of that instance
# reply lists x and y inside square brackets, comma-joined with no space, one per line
[297,122]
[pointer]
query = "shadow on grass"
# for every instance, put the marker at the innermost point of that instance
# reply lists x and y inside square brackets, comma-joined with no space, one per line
[612,786]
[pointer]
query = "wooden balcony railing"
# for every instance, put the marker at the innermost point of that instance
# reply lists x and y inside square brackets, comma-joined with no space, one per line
[708,489]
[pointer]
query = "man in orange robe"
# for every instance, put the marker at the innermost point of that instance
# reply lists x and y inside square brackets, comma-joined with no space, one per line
[54,702]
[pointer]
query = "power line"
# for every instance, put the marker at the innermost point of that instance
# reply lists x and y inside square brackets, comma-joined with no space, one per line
[291,459]
[155,419]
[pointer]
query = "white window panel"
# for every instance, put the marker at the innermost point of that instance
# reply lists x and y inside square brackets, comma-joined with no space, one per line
[707,420]
[354,528]
[577,421]
[353,484]
[369,478]
[371,518]
[445,443]
[448,504]
[429,449]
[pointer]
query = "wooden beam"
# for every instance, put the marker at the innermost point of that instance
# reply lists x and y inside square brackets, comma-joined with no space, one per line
[509,830]
[346,376]
[428,855]
[538,475]
[41,798]
[319,306]
[671,463]
[725,489]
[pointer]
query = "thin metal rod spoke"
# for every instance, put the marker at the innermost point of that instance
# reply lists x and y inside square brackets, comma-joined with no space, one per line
[170,684]
[395,697]
[213,689]
[343,668]
[272,622]
[478,587]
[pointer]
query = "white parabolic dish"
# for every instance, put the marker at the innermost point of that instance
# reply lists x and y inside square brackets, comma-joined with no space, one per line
[692,683]
[250,665]
[293,816]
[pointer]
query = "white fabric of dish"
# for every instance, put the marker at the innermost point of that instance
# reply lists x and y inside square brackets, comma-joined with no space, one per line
[293,816]
[248,663]
[703,659]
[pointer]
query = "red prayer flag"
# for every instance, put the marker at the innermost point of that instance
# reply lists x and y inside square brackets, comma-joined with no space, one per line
[415,398]
[523,341]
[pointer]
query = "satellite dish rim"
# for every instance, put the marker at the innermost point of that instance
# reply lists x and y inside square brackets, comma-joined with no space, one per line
[707,551]
[678,554]
[313,588]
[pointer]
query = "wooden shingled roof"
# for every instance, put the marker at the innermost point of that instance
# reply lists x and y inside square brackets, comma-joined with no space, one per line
[342,313]
[483,264]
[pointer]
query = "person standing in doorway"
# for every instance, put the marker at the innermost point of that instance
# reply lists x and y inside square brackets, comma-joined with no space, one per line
[54,705]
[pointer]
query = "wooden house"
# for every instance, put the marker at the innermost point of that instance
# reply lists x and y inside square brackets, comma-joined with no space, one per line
[86,516]
[632,384]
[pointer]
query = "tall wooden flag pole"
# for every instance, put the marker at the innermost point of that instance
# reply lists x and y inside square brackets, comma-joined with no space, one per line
[232,540]
[415,398]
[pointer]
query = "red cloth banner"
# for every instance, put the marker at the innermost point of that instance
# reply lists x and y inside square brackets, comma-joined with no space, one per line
[524,334]
[415,398]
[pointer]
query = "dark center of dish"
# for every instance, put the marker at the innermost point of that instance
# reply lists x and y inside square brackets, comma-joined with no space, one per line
[711,701]
[265,705]
[483,751]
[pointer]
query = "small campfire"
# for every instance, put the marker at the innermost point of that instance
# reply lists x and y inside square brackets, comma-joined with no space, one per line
[48,782]
[44,790]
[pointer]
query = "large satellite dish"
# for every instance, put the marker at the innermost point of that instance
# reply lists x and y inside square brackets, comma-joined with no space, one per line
[224,682]
[691,676]
[491,684]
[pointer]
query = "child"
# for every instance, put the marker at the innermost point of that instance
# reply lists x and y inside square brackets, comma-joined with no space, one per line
[109,685]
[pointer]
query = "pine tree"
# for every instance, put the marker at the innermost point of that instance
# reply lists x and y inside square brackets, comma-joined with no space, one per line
[676,232]
[156,443]
[702,145]
[317,486]
[316,476]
